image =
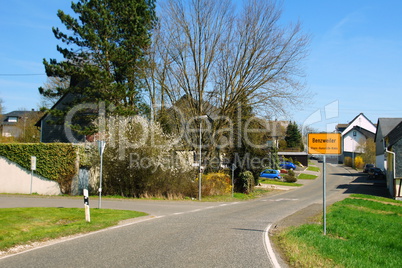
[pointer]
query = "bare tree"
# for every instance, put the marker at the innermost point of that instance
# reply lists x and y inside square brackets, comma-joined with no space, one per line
[222,57]
[1,107]
[52,85]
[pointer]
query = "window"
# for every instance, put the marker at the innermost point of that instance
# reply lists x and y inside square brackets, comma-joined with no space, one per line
[12,119]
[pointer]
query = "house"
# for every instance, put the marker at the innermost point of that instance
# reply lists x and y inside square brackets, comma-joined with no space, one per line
[393,156]
[53,129]
[384,127]
[301,157]
[355,134]
[13,124]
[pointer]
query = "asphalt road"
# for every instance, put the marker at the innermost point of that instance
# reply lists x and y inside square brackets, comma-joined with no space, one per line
[180,233]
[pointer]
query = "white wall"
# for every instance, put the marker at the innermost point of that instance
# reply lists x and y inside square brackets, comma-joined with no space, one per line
[14,179]
[362,122]
[351,143]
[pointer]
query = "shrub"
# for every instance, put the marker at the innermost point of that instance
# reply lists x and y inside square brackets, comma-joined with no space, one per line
[216,184]
[347,161]
[140,159]
[359,162]
[245,182]
[290,177]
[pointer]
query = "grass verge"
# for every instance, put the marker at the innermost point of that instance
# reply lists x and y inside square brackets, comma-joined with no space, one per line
[19,226]
[304,176]
[362,231]
[276,182]
[237,196]
[316,169]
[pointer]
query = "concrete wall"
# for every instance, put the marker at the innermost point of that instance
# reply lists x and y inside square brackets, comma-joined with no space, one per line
[14,179]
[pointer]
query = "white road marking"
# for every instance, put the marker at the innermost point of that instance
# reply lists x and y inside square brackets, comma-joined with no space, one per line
[280,199]
[269,249]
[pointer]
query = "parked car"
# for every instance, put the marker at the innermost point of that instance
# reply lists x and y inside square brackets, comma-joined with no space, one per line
[271,174]
[287,165]
[367,167]
[376,173]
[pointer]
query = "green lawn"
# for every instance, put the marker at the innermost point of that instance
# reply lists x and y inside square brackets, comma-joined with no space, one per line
[362,231]
[316,169]
[23,225]
[276,182]
[304,176]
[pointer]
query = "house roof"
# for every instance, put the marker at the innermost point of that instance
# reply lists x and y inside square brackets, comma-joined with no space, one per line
[395,134]
[386,125]
[18,114]
[366,133]
[341,127]
[351,124]
[364,117]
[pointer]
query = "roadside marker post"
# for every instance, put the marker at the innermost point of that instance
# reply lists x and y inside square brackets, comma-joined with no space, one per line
[86,206]
[324,144]
[33,167]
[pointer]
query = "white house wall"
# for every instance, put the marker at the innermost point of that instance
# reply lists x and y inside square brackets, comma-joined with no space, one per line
[351,143]
[362,122]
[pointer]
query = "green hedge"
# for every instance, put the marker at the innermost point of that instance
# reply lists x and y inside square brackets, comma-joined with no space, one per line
[54,161]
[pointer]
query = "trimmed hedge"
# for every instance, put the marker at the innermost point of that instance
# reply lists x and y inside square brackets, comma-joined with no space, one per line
[54,161]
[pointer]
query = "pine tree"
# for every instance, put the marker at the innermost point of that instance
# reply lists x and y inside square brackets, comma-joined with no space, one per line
[293,136]
[105,54]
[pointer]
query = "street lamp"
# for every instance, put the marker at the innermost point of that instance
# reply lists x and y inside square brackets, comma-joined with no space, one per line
[199,160]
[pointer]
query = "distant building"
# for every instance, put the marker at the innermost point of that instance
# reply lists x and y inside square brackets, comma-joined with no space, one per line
[52,128]
[355,134]
[13,123]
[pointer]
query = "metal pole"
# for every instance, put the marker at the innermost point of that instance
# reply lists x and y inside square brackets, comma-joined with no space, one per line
[199,168]
[324,195]
[102,145]
[30,192]
[233,168]
[100,182]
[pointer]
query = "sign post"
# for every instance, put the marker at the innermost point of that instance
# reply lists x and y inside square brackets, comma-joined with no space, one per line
[101,145]
[33,167]
[233,169]
[324,144]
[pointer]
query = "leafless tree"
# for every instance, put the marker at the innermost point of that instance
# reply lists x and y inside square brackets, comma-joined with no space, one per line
[219,56]
[48,98]
[1,107]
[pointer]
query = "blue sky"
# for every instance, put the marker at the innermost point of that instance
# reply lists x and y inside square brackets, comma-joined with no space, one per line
[354,65]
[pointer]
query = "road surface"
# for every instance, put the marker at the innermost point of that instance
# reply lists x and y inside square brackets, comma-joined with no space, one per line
[180,233]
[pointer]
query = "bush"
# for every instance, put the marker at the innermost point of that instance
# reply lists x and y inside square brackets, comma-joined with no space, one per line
[290,177]
[359,162]
[216,184]
[347,161]
[140,160]
[245,182]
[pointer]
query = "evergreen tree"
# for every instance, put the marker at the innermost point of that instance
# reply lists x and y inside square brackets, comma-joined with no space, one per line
[105,58]
[293,136]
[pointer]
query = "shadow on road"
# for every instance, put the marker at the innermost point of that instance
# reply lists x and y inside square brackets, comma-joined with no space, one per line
[344,174]
[363,185]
